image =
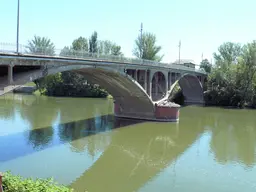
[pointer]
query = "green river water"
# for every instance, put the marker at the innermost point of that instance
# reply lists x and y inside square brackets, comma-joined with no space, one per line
[79,143]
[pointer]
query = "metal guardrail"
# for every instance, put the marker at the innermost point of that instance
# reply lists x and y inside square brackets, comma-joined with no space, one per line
[11,48]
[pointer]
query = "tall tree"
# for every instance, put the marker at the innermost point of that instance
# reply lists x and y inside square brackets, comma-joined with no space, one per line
[206,65]
[66,51]
[109,48]
[93,43]
[116,50]
[146,48]
[80,44]
[228,54]
[105,47]
[41,46]
[247,71]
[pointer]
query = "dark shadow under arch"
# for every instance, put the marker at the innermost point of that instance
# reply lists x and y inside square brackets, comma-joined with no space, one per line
[123,88]
[158,86]
[191,88]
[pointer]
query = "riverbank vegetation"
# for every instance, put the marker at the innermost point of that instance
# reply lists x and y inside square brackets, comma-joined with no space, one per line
[15,183]
[68,84]
[232,80]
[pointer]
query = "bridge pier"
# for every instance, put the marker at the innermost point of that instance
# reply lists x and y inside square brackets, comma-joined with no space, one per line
[168,80]
[136,75]
[145,80]
[10,74]
[156,84]
[150,84]
[166,85]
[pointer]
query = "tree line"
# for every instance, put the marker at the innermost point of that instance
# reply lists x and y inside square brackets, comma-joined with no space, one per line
[231,80]
[145,47]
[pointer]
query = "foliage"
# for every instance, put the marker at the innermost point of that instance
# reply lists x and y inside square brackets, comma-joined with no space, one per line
[79,47]
[41,46]
[80,44]
[146,48]
[232,81]
[109,48]
[66,51]
[206,65]
[69,84]
[93,43]
[13,183]
[48,83]
[116,50]
[228,54]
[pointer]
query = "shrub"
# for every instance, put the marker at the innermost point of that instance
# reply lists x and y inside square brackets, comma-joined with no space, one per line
[68,84]
[12,183]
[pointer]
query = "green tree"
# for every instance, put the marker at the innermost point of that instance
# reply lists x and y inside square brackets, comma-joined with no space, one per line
[232,80]
[105,47]
[206,65]
[93,43]
[109,48]
[41,46]
[116,50]
[228,54]
[80,44]
[66,51]
[146,48]
[246,72]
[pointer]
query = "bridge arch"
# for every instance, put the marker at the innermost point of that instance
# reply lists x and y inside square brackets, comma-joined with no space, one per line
[191,87]
[127,93]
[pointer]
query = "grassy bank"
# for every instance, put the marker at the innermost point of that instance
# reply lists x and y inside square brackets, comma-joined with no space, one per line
[15,183]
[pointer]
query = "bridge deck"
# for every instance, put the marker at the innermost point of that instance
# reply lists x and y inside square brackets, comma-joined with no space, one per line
[95,60]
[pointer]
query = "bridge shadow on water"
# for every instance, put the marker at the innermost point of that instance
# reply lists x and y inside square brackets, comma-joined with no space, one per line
[31,141]
[131,160]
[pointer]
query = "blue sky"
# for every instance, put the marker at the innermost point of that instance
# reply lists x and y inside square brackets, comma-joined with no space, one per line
[201,25]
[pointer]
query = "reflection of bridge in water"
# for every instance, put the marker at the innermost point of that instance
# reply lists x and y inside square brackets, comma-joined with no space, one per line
[127,164]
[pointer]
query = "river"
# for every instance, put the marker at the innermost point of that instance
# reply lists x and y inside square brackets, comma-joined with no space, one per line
[79,143]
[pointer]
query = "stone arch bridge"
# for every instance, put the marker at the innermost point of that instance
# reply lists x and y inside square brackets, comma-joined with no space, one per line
[136,85]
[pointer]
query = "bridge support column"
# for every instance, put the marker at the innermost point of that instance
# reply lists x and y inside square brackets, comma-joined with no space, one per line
[166,76]
[156,84]
[150,83]
[145,81]
[10,74]
[136,74]
[168,81]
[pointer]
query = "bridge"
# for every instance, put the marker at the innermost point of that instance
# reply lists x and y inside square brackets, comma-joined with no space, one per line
[135,84]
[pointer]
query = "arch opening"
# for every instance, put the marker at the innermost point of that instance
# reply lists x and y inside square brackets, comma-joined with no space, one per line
[159,86]
[191,89]
[129,97]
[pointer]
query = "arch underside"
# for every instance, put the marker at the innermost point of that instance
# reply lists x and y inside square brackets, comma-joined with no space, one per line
[125,91]
[191,89]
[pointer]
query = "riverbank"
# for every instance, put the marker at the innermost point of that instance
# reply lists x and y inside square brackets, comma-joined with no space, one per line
[15,183]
